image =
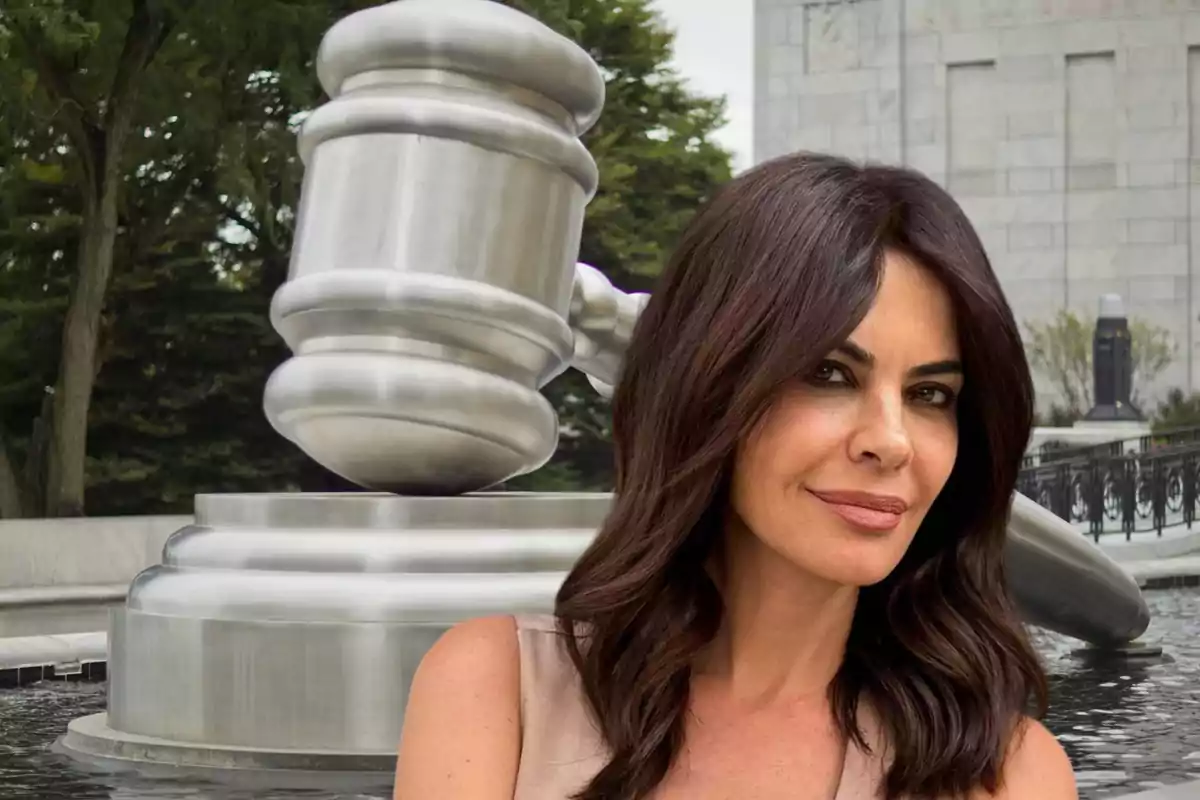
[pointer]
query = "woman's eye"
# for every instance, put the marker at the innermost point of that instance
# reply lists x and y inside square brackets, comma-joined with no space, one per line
[830,373]
[936,396]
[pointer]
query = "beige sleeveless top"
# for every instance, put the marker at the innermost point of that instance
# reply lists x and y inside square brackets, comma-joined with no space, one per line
[561,749]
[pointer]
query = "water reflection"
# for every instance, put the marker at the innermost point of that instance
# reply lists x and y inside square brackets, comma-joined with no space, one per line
[1127,725]
[1131,725]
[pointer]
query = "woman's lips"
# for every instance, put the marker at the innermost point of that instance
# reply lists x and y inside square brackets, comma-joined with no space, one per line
[873,512]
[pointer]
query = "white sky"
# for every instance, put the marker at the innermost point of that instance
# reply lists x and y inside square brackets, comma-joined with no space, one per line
[714,53]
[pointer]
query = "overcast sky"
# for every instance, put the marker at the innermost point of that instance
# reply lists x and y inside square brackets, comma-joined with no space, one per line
[713,51]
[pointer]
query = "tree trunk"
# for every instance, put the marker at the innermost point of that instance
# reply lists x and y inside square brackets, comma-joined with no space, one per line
[65,481]
[101,151]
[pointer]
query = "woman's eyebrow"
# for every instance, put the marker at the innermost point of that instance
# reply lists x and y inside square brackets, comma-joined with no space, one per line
[858,354]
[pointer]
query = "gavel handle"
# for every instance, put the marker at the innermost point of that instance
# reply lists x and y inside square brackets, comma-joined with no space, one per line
[602,318]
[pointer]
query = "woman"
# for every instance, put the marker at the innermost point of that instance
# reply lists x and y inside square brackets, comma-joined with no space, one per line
[799,592]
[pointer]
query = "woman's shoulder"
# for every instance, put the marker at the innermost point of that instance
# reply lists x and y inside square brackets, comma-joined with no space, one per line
[1036,766]
[495,639]
[494,656]
[472,672]
[473,649]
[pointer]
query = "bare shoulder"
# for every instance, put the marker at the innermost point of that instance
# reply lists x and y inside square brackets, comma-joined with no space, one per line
[1037,766]
[462,726]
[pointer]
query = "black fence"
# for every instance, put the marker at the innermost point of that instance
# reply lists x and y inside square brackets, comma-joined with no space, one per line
[1052,452]
[1104,492]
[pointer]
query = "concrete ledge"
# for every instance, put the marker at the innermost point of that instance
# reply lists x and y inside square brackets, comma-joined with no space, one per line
[27,659]
[1165,573]
[1171,546]
[81,551]
[67,649]
[63,595]
[57,610]
[1087,434]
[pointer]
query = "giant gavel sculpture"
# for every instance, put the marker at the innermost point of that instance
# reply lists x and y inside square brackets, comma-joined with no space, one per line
[433,291]
[433,287]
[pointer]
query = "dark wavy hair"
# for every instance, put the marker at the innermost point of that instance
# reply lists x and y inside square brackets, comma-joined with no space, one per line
[777,269]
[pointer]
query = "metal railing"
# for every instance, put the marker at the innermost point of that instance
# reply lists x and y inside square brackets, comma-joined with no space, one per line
[1128,492]
[1052,453]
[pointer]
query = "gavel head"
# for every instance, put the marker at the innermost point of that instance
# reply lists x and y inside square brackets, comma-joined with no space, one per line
[434,256]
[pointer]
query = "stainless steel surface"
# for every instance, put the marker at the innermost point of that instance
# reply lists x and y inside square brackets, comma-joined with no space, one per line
[1064,583]
[295,622]
[602,319]
[194,769]
[432,269]
[432,292]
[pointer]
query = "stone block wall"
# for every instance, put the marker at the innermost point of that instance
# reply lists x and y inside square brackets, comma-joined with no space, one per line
[1069,130]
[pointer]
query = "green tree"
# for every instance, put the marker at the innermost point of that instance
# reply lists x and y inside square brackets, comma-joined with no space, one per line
[79,68]
[200,198]
[35,236]
[1061,350]
[202,289]
[1178,410]
[658,162]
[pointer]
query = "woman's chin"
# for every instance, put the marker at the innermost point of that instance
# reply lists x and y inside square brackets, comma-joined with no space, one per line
[866,567]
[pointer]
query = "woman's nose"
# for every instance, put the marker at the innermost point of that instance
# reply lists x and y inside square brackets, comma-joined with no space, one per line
[882,436]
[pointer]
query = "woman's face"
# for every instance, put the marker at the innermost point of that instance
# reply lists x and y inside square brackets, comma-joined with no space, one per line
[838,476]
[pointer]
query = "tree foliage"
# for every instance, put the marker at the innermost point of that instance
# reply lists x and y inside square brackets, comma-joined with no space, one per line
[148,187]
[78,69]
[658,162]
[1178,410]
[146,125]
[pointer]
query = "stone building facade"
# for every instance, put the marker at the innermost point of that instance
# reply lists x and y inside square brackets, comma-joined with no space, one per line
[1069,130]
